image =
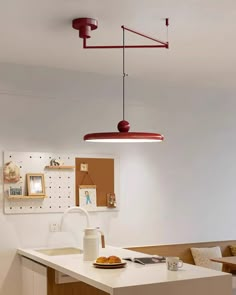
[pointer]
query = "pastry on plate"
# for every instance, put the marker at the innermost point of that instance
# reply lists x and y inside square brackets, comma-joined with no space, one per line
[102,259]
[113,259]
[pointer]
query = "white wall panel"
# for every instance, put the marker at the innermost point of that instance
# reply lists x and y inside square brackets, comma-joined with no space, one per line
[59,183]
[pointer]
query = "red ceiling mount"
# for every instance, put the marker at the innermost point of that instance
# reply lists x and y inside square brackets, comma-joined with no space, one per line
[84,25]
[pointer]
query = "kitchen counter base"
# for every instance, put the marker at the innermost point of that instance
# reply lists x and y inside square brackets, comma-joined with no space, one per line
[134,279]
[69,288]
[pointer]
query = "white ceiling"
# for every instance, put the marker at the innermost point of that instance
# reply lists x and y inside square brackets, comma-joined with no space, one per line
[201,36]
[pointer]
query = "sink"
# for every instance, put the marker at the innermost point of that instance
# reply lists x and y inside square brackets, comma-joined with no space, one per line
[60,251]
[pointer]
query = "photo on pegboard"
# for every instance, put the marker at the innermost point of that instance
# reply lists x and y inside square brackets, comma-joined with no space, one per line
[15,191]
[35,184]
[88,197]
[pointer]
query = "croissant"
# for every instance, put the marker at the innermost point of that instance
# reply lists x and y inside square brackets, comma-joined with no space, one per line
[114,259]
[110,259]
[102,259]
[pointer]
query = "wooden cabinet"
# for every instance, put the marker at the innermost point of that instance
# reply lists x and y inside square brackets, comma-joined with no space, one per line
[69,288]
[34,277]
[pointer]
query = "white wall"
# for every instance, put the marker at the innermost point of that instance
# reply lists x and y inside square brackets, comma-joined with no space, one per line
[182,190]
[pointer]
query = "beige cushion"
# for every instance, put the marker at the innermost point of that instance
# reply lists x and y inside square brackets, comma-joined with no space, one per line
[233,249]
[202,256]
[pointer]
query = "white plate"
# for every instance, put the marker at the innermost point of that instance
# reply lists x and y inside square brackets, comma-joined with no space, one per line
[110,265]
[122,262]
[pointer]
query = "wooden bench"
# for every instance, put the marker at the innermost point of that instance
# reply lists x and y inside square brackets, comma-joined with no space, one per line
[184,253]
[183,250]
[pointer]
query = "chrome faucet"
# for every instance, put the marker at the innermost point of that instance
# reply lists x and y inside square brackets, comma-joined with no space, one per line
[75,209]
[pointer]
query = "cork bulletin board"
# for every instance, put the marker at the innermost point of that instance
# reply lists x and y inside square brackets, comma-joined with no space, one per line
[96,171]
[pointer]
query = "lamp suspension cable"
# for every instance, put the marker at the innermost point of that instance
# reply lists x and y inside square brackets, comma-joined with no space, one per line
[124,74]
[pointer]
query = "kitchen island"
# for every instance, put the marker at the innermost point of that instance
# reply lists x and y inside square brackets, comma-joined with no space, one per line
[136,278]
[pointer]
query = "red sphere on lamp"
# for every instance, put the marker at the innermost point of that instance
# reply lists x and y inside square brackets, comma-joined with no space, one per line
[123,126]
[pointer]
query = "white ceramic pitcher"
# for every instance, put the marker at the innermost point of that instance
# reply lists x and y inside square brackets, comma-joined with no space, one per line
[91,243]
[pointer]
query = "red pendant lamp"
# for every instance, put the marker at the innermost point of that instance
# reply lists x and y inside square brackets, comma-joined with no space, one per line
[84,25]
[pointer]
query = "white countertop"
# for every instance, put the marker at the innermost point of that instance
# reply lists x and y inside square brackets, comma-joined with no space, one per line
[109,280]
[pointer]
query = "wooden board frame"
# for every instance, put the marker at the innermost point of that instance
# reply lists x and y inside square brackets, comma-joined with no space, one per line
[34,179]
[100,173]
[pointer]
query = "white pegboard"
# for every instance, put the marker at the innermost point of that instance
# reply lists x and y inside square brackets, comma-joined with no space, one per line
[59,183]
